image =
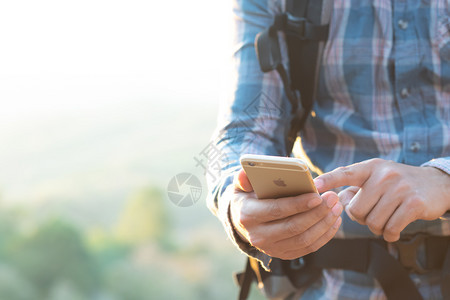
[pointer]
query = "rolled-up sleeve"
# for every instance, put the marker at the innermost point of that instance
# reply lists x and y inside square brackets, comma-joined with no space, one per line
[442,163]
[253,118]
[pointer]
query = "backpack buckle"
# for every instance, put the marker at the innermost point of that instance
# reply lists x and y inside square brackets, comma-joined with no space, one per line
[268,49]
[407,252]
[296,26]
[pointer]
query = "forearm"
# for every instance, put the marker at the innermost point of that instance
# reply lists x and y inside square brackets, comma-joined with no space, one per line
[253,118]
[218,202]
[233,141]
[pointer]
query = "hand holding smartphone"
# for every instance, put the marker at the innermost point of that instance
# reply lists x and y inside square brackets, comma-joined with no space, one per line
[284,225]
[276,176]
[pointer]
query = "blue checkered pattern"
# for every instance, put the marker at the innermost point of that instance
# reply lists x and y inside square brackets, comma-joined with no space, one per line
[383,91]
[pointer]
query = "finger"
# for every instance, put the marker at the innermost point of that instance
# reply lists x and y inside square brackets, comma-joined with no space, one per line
[269,210]
[296,224]
[380,214]
[364,200]
[346,195]
[311,235]
[353,175]
[241,182]
[319,243]
[405,214]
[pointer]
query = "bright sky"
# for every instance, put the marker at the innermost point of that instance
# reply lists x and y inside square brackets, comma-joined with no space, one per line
[72,53]
[79,79]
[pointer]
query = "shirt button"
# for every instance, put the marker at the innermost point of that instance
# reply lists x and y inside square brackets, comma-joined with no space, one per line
[402,24]
[404,93]
[415,147]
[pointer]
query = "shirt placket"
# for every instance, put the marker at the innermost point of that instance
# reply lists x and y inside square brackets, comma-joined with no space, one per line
[407,85]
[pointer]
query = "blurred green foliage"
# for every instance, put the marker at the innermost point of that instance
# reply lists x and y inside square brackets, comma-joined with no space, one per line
[144,218]
[139,258]
[54,252]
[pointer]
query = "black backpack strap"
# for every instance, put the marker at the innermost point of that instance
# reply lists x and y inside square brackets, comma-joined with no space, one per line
[367,256]
[371,257]
[303,30]
[253,272]
[303,57]
[244,280]
[445,280]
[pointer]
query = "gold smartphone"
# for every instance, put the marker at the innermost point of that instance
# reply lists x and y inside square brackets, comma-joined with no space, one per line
[277,176]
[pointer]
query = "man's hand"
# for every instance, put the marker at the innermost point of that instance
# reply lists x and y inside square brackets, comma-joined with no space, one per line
[286,228]
[387,196]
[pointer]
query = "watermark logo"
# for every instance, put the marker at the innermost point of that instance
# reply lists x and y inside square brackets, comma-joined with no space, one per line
[255,120]
[262,110]
[184,189]
[211,160]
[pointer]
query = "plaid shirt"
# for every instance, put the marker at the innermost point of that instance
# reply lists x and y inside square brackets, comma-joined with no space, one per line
[383,91]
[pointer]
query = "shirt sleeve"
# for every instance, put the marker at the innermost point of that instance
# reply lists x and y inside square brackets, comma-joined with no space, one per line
[254,117]
[442,163]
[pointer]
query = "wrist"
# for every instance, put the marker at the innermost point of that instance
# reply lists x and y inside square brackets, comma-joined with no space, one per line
[441,180]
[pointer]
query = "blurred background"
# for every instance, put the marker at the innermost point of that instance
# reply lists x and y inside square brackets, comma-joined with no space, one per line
[103,104]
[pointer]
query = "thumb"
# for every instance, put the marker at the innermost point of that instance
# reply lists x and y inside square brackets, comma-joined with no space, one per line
[346,195]
[241,182]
